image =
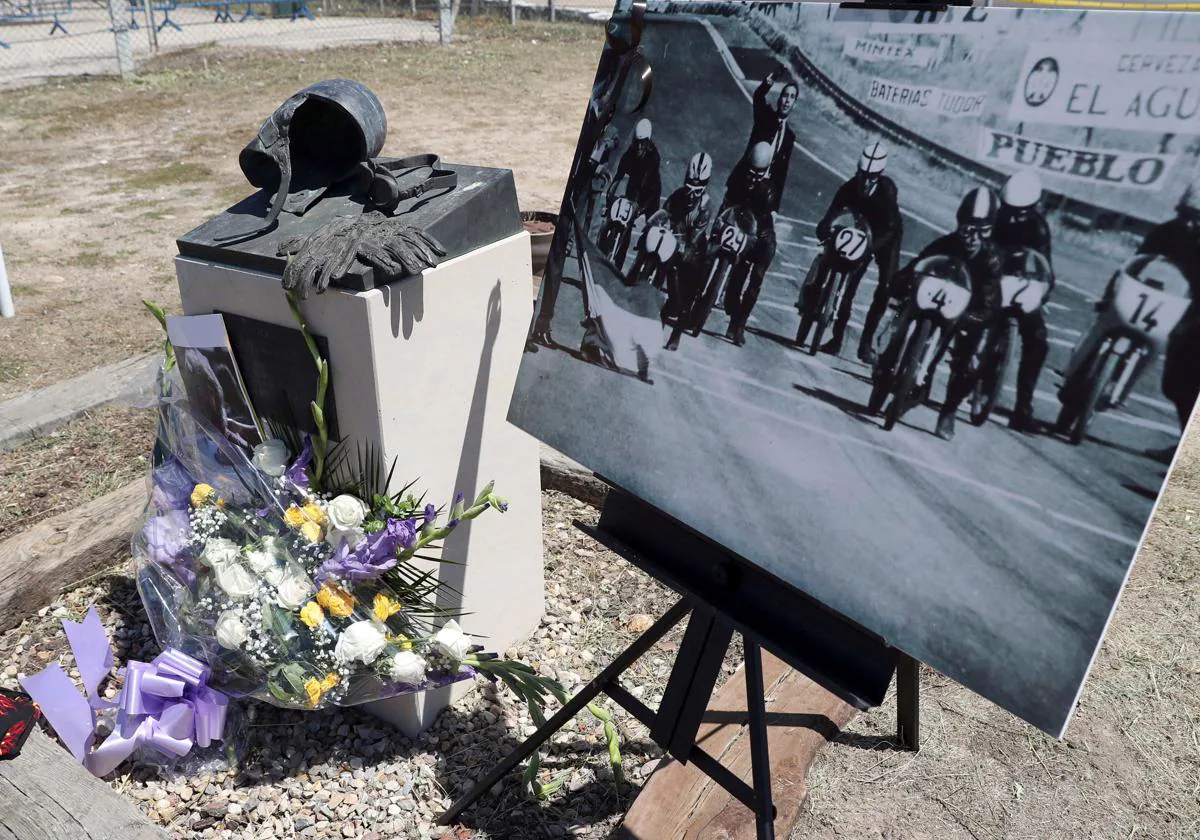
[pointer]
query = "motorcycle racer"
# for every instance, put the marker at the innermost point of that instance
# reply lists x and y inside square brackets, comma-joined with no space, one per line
[971,242]
[640,166]
[872,194]
[749,186]
[1178,240]
[1020,225]
[688,213]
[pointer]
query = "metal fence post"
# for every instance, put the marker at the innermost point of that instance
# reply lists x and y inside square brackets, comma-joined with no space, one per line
[6,304]
[552,11]
[445,22]
[512,11]
[116,14]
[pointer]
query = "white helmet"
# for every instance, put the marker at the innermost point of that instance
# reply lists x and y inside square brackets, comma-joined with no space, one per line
[760,156]
[699,170]
[873,159]
[1024,189]
[642,130]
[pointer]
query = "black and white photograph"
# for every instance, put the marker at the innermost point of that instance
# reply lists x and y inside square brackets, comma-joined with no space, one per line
[211,378]
[894,305]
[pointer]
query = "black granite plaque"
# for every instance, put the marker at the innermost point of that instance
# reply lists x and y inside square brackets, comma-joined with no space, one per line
[279,373]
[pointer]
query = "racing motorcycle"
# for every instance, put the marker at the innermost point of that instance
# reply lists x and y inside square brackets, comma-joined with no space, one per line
[1147,297]
[846,249]
[614,234]
[658,250]
[1024,287]
[941,293]
[598,187]
[733,233]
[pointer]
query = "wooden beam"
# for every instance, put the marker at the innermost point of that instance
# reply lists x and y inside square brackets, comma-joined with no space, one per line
[56,553]
[46,793]
[681,802]
[38,412]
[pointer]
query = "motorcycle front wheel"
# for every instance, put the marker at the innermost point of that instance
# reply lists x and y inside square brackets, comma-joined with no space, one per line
[990,379]
[905,376]
[826,305]
[704,306]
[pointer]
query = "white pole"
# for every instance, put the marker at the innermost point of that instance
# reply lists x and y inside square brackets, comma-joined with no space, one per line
[6,304]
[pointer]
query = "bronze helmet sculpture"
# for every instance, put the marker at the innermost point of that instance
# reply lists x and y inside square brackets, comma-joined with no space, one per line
[315,139]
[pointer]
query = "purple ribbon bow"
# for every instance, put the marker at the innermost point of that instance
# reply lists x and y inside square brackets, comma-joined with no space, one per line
[165,703]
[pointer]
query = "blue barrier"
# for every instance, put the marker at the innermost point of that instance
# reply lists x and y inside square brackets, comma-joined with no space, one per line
[23,11]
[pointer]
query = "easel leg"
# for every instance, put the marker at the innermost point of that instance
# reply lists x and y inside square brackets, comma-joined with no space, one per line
[908,703]
[573,707]
[760,760]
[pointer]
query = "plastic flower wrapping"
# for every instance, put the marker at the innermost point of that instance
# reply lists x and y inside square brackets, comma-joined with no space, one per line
[288,594]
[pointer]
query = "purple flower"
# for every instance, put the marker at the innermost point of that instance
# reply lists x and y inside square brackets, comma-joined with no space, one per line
[297,473]
[430,515]
[403,531]
[166,543]
[373,556]
[456,512]
[172,486]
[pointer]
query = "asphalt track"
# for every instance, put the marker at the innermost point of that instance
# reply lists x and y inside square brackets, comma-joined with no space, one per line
[995,558]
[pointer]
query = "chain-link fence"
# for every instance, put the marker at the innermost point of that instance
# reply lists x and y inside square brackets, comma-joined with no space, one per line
[575,10]
[40,39]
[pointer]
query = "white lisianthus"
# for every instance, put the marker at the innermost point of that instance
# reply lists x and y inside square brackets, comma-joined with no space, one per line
[271,457]
[294,590]
[220,552]
[452,641]
[345,512]
[408,668]
[231,632]
[362,641]
[236,580]
[352,536]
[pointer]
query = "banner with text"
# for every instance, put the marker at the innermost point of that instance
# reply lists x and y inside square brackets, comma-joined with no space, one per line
[926,98]
[1144,87]
[1138,170]
[954,20]
[874,49]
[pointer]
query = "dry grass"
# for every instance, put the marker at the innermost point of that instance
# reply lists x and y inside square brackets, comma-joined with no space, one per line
[77,463]
[139,164]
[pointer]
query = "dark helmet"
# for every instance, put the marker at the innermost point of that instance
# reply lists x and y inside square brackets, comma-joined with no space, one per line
[979,208]
[316,138]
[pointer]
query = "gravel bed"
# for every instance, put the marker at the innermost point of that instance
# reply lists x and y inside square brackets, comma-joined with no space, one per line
[344,773]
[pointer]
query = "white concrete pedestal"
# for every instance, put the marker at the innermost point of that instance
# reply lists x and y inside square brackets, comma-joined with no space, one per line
[424,369]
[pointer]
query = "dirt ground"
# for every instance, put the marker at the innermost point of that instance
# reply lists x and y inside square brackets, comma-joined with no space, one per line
[98,178]
[144,163]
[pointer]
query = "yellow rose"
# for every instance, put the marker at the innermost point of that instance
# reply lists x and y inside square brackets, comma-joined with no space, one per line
[331,680]
[314,690]
[294,517]
[336,600]
[315,514]
[201,494]
[311,532]
[312,615]
[385,607]
[403,641]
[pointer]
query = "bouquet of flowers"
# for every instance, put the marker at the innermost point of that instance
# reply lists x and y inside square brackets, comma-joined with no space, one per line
[292,571]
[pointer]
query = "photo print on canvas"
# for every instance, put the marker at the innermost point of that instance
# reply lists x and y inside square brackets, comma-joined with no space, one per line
[897,307]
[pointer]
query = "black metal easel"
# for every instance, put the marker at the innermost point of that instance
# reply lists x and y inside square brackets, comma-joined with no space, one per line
[723,594]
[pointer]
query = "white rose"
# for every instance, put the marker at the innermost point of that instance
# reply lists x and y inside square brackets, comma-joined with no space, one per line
[220,552]
[294,590]
[231,632]
[271,457]
[266,566]
[452,641]
[362,641]
[353,536]
[236,580]
[408,668]
[345,512]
